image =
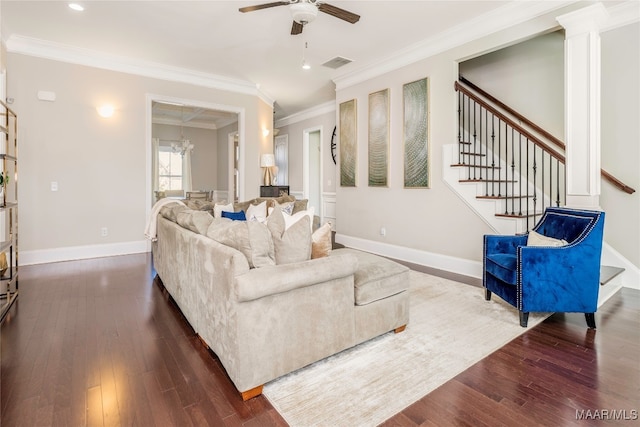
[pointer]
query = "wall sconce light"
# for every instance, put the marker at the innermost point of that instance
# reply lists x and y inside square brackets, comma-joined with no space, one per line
[267,161]
[106,110]
[265,132]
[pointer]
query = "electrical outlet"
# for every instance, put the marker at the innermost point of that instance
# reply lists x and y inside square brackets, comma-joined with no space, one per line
[383,231]
[104,231]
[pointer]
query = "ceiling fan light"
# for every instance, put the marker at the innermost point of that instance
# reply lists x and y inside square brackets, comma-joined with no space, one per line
[305,65]
[303,12]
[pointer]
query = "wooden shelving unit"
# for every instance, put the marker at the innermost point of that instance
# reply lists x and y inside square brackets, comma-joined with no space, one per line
[9,208]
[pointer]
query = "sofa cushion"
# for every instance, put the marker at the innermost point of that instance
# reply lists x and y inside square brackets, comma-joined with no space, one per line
[376,277]
[236,216]
[286,208]
[502,266]
[196,221]
[284,278]
[219,207]
[199,205]
[251,238]
[171,210]
[289,220]
[300,205]
[321,242]
[292,244]
[257,212]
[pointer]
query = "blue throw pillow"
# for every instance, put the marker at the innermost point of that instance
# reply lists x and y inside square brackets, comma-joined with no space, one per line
[236,216]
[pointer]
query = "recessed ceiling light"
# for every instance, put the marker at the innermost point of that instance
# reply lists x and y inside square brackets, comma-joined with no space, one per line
[76,6]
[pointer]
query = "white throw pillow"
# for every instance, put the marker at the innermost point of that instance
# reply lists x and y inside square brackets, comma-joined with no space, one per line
[289,220]
[257,212]
[219,207]
[537,239]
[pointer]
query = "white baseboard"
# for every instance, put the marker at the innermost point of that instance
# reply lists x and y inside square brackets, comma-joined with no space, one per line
[630,278]
[43,256]
[415,256]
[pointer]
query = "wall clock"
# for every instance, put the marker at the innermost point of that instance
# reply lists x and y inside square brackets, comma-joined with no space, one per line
[333,145]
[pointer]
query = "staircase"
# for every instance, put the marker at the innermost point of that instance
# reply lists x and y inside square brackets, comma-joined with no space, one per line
[509,170]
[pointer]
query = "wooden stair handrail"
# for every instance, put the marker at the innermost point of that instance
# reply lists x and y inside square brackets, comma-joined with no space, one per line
[514,113]
[533,138]
[616,182]
[606,175]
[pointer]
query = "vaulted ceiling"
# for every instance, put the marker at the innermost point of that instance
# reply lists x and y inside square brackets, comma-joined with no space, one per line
[212,38]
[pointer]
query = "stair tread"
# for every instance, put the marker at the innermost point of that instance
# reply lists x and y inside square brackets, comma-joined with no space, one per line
[504,197]
[466,153]
[522,215]
[607,273]
[457,165]
[507,181]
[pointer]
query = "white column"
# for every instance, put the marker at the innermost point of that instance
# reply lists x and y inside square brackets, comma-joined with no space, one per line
[582,104]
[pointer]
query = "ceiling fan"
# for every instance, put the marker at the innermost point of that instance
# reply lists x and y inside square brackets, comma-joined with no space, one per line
[305,11]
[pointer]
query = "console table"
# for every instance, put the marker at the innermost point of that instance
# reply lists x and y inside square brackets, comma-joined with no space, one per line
[273,190]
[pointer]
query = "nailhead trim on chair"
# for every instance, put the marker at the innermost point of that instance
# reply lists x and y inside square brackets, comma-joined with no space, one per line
[594,221]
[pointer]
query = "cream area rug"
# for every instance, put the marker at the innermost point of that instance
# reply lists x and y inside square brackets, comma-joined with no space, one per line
[451,327]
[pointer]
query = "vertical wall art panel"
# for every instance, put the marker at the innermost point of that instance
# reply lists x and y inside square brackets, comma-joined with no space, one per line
[348,144]
[416,134]
[378,138]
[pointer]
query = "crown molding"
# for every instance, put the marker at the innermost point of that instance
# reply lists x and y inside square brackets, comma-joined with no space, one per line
[65,53]
[622,14]
[309,113]
[504,17]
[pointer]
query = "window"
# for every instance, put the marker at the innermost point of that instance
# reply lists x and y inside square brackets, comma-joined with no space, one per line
[170,169]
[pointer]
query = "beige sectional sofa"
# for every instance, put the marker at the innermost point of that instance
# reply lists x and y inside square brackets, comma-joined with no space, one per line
[267,321]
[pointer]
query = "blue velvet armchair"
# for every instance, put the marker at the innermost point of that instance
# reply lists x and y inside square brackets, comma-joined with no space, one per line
[544,278]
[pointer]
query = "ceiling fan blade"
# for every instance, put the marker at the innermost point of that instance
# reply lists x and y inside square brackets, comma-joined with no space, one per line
[345,15]
[296,28]
[263,6]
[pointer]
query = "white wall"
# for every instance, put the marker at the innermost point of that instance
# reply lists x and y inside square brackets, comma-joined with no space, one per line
[529,77]
[100,164]
[431,226]
[327,122]
[620,141]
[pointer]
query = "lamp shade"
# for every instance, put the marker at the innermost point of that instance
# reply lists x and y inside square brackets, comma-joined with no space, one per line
[267,160]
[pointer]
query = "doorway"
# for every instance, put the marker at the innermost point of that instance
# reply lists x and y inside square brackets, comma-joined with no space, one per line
[185,115]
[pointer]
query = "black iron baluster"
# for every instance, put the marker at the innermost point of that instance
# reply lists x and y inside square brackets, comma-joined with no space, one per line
[480,158]
[520,172]
[535,191]
[558,182]
[513,172]
[475,135]
[527,183]
[493,162]
[460,124]
[542,170]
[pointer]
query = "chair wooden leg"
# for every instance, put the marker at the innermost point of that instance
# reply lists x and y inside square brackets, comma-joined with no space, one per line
[487,294]
[256,391]
[524,319]
[591,320]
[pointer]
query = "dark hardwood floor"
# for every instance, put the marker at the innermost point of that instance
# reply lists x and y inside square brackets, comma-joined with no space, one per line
[99,342]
